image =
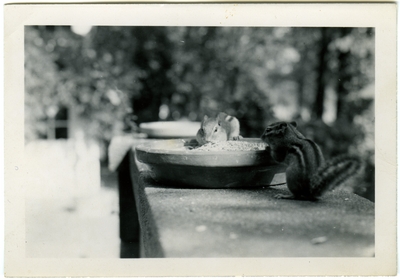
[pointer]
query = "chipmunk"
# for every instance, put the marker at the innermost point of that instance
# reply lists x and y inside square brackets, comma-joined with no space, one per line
[221,128]
[308,176]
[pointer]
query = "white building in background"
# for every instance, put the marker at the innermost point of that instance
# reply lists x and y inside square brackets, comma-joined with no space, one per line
[66,162]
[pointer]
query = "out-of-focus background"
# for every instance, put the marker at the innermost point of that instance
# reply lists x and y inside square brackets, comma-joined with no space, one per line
[86,84]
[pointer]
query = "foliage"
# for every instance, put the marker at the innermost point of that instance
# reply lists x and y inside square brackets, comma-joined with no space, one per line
[41,80]
[321,77]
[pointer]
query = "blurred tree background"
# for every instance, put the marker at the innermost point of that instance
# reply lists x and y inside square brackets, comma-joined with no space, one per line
[118,77]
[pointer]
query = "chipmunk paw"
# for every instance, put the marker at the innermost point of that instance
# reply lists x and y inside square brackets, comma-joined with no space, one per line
[236,138]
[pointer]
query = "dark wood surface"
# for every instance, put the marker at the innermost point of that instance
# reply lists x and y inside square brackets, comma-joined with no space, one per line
[188,222]
[166,221]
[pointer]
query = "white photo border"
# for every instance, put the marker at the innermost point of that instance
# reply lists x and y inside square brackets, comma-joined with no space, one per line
[381,16]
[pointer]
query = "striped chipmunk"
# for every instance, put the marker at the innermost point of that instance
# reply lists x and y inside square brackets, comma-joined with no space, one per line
[221,128]
[308,176]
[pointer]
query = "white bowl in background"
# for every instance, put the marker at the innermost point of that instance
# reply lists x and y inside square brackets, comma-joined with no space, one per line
[170,129]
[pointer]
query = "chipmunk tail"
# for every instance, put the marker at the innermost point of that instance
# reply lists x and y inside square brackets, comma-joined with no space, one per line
[334,173]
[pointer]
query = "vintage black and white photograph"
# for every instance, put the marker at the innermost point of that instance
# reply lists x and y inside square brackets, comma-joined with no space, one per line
[182,141]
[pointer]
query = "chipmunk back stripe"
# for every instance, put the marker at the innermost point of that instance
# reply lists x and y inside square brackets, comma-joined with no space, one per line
[307,176]
[317,152]
[311,160]
[229,118]
[297,150]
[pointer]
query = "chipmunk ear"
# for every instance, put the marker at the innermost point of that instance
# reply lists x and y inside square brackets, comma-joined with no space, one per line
[222,115]
[299,135]
[205,117]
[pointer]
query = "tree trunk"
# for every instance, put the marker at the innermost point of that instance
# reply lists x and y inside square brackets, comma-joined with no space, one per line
[320,94]
[300,99]
[344,77]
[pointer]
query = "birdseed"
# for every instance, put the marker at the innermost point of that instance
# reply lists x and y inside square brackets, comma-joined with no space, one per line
[232,146]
